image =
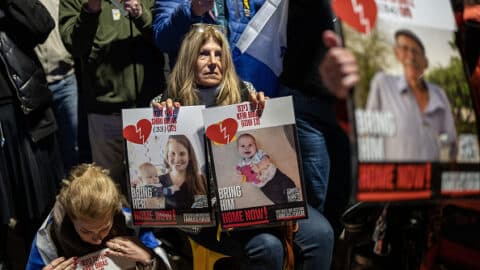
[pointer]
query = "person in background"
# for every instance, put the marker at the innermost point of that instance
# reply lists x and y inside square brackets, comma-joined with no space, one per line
[30,161]
[204,74]
[86,218]
[58,66]
[120,68]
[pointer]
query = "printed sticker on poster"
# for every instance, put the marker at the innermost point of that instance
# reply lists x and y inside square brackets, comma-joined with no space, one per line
[256,163]
[100,261]
[167,166]
[413,119]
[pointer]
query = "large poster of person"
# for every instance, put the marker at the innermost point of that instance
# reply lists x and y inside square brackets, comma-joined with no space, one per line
[166,165]
[415,127]
[255,160]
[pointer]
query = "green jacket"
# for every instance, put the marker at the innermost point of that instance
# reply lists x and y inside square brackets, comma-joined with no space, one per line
[109,55]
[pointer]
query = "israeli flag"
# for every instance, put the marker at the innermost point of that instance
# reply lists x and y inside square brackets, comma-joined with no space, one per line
[258,54]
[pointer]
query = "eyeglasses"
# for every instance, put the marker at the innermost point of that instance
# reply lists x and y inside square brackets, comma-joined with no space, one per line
[202,27]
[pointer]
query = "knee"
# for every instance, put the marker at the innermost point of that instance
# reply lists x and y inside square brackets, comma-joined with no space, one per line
[265,247]
[315,233]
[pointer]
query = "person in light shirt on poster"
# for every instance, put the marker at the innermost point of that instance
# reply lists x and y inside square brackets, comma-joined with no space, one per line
[424,125]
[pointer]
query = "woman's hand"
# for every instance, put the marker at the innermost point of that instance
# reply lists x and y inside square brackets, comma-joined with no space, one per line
[169,105]
[257,100]
[129,247]
[62,263]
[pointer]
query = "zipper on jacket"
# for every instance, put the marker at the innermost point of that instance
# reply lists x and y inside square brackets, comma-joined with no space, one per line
[2,137]
[17,91]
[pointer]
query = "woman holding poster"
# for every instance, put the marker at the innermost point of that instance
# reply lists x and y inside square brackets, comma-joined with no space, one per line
[204,74]
[87,218]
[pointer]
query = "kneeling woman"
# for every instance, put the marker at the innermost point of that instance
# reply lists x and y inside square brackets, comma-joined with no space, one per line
[88,217]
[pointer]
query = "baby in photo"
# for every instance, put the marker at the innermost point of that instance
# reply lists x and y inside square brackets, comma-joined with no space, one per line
[148,174]
[257,169]
[148,179]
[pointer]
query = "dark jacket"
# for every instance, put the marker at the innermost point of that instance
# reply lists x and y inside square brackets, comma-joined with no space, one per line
[304,53]
[23,25]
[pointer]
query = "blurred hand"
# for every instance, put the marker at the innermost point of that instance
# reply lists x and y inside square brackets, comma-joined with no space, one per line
[94,6]
[257,100]
[168,105]
[62,263]
[339,69]
[133,7]
[200,7]
[128,247]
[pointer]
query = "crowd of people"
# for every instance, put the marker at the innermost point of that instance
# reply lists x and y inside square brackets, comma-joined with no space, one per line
[118,52]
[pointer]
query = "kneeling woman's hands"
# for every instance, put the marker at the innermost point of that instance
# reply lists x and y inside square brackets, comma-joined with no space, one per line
[129,247]
[62,263]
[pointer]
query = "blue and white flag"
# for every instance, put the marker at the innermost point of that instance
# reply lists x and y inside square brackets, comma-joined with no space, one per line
[258,54]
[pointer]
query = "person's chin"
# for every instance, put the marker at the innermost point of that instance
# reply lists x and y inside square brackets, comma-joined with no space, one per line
[210,82]
[180,168]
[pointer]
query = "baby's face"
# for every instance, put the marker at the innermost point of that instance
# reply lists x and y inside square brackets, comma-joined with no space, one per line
[246,147]
[149,176]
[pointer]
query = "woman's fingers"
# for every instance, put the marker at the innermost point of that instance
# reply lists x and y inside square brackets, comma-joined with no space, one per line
[258,102]
[54,264]
[127,247]
[61,263]
[68,264]
[157,105]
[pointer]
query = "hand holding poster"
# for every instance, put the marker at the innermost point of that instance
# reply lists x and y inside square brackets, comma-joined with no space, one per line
[258,182]
[167,168]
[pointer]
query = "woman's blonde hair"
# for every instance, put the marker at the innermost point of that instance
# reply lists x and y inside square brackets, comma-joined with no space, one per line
[90,193]
[182,86]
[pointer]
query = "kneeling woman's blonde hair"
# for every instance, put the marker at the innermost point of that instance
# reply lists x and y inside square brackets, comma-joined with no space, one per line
[90,193]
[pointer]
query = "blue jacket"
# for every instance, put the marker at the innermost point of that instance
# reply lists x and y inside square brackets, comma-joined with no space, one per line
[173,18]
[43,249]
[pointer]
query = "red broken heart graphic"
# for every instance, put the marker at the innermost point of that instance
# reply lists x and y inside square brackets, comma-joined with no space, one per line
[223,132]
[359,14]
[138,134]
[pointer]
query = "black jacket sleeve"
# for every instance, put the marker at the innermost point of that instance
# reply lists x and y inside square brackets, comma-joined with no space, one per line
[28,21]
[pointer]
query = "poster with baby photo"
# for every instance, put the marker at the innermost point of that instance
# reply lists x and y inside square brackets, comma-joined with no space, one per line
[256,163]
[166,166]
[413,122]
[100,261]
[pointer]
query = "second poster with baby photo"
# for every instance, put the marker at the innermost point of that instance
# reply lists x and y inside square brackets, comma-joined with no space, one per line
[255,162]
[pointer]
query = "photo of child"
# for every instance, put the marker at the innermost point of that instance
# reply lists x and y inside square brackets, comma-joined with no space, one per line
[148,174]
[256,168]
[187,184]
[148,183]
